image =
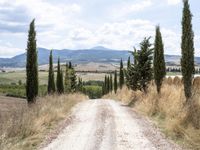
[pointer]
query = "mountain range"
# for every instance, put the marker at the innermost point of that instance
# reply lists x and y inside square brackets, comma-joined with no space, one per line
[96,54]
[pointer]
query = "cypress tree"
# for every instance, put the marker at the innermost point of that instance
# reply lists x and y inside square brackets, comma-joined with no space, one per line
[187,47]
[70,65]
[59,81]
[31,65]
[51,82]
[128,62]
[105,84]
[121,75]
[159,60]
[67,79]
[108,84]
[111,83]
[73,80]
[115,82]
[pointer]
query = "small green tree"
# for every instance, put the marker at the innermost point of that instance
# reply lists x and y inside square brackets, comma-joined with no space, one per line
[115,82]
[31,66]
[140,73]
[187,47]
[121,75]
[159,60]
[51,81]
[144,64]
[132,76]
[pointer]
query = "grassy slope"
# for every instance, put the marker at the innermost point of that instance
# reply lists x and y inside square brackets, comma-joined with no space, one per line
[25,128]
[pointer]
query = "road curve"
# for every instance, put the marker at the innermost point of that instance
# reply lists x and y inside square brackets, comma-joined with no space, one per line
[108,125]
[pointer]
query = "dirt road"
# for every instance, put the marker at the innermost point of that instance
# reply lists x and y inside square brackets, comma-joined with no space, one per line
[108,125]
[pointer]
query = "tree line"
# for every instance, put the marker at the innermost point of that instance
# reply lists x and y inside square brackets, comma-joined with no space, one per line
[67,83]
[149,62]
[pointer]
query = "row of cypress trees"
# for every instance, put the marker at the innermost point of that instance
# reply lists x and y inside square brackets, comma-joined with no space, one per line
[69,85]
[110,84]
[32,83]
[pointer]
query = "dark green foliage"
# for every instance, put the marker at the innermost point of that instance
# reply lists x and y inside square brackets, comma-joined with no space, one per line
[121,75]
[115,82]
[59,81]
[105,86]
[51,81]
[73,80]
[111,83]
[129,62]
[187,47]
[80,85]
[140,73]
[108,84]
[144,64]
[70,65]
[93,88]
[20,90]
[20,82]
[93,91]
[132,75]
[70,79]
[31,65]
[159,67]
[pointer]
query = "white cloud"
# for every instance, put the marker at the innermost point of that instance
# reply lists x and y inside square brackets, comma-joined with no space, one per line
[126,8]
[173,2]
[62,25]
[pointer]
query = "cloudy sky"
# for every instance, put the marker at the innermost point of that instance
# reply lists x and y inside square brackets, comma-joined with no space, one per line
[78,24]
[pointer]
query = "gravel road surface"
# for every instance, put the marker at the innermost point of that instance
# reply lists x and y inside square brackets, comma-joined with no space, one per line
[109,125]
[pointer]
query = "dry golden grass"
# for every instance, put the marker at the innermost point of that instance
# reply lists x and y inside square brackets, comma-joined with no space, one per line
[177,81]
[168,110]
[26,127]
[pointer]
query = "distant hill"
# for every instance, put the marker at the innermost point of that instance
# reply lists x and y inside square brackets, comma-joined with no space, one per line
[96,54]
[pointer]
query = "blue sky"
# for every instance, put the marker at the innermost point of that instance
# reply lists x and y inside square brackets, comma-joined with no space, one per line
[79,24]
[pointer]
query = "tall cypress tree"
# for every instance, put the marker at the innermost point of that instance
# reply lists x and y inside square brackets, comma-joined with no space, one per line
[73,80]
[128,62]
[70,65]
[159,60]
[51,82]
[59,81]
[31,65]
[108,84]
[111,83]
[115,82]
[105,85]
[121,75]
[187,47]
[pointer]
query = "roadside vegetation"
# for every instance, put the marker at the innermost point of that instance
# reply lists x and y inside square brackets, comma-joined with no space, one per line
[26,127]
[173,102]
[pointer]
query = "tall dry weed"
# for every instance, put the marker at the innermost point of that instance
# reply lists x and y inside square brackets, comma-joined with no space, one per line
[169,110]
[25,127]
